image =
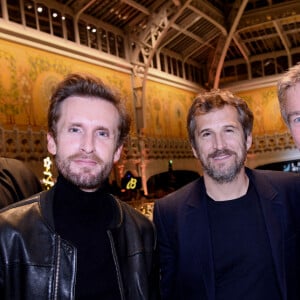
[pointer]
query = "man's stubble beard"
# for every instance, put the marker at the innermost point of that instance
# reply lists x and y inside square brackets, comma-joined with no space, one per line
[224,175]
[85,179]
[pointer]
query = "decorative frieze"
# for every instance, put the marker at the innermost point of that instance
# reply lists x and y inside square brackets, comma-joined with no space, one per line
[30,145]
[272,143]
[26,145]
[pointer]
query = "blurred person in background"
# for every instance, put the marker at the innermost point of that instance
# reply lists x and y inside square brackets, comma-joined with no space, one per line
[288,91]
[17,181]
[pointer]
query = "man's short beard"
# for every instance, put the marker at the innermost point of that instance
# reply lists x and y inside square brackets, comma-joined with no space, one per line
[228,175]
[224,177]
[84,180]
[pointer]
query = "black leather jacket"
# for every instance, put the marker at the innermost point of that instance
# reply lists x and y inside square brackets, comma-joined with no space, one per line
[36,264]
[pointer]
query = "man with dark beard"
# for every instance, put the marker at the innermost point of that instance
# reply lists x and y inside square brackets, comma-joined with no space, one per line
[233,233]
[76,241]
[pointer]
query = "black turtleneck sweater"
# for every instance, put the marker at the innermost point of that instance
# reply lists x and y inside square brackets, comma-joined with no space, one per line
[82,218]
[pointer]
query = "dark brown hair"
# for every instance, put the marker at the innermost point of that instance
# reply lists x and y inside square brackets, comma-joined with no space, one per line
[79,84]
[216,99]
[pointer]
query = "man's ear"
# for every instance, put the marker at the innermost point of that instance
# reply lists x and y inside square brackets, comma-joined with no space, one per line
[249,141]
[117,153]
[51,144]
[195,152]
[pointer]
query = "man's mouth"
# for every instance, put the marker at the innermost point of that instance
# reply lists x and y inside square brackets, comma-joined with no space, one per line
[86,160]
[221,154]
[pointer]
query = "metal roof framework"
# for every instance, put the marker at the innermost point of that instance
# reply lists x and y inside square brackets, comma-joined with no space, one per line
[211,34]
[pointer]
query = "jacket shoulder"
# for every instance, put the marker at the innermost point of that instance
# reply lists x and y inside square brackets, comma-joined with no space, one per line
[21,205]
[137,229]
[130,213]
[192,190]
[275,177]
[22,212]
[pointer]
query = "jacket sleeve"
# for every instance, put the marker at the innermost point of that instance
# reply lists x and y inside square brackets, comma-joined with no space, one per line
[154,275]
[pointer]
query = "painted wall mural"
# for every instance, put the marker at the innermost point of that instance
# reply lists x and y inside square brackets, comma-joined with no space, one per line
[27,79]
[264,104]
[28,76]
[166,111]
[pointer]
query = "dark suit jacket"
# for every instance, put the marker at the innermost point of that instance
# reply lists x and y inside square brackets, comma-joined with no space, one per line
[185,242]
[17,181]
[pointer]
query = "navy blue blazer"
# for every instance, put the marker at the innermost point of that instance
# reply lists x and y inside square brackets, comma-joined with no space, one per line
[184,237]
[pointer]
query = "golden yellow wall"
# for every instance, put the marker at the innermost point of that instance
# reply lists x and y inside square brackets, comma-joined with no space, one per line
[264,104]
[28,76]
[167,107]
[166,110]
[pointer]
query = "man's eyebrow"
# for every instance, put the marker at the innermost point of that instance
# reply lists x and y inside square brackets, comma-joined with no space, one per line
[204,130]
[75,124]
[225,126]
[101,127]
[294,113]
[230,126]
[79,124]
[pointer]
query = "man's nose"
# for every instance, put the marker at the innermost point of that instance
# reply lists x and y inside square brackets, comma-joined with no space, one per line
[219,141]
[87,144]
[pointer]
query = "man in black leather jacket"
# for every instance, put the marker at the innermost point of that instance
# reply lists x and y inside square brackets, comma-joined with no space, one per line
[76,241]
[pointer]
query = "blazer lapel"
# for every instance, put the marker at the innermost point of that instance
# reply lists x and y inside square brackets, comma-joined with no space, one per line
[270,207]
[197,245]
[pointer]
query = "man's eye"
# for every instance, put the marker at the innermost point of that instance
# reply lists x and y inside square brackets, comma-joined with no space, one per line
[74,129]
[103,133]
[205,134]
[296,120]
